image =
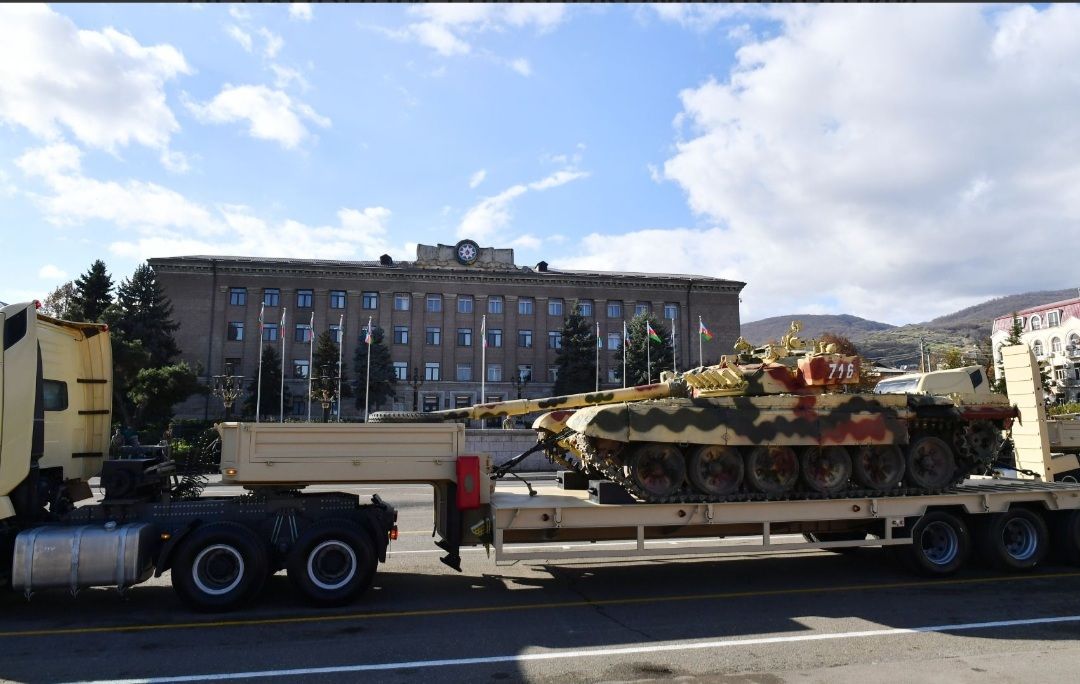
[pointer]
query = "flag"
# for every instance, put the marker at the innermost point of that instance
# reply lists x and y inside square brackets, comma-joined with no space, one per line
[625,335]
[282,325]
[367,337]
[262,309]
[703,331]
[599,341]
[483,330]
[310,332]
[652,333]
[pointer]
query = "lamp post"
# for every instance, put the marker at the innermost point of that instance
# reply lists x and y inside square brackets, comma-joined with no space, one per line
[324,390]
[228,388]
[415,389]
[521,381]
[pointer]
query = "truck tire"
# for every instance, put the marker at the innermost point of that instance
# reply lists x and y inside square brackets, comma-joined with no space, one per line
[332,562]
[1066,546]
[1014,541]
[219,566]
[940,545]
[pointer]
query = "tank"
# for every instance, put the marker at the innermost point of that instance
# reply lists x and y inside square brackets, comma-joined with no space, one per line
[776,422]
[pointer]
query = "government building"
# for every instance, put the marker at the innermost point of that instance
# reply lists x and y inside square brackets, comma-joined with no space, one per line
[431,311]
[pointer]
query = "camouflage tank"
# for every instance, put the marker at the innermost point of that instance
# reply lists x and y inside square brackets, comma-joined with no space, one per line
[777,422]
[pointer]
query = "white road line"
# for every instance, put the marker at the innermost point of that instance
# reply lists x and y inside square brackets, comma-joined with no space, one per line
[594,652]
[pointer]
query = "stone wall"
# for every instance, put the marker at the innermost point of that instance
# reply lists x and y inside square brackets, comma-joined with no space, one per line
[504,445]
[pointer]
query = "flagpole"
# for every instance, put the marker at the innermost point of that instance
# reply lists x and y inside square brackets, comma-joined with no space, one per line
[310,360]
[598,343]
[483,362]
[700,325]
[625,341]
[674,368]
[258,383]
[340,345]
[367,373]
[281,394]
[648,351]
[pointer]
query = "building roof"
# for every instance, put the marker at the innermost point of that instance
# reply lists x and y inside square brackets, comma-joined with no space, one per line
[1069,308]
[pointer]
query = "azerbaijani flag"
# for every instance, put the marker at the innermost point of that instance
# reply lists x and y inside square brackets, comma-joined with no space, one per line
[652,333]
[599,341]
[703,331]
[367,337]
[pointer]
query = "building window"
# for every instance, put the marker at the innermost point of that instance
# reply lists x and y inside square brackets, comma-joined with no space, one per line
[525,339]
[641,308]
[494,338]
[612,375]
[525,372]
[1036,323]
[464,337]
[613,340]
[1052,319]
[238,296]
[232,366]
[401,370]
[495,305]
[335,332]
[431,370]
[555,307]
[303,299]
[463,372]
[401,334]
[434,303]
[553,373]
[337,299]
[585,307]
[614,309]
[270,332]
[433,335]
[494,372]
[555,339]
[1074,343]
[525,306]
[431,402]
[401,301]
[1037,346]
[464,304]
[1055,345]
[462,400]
[271,296]
[302,333]
[236,331]
[370,300]
[300,368]
[671,311]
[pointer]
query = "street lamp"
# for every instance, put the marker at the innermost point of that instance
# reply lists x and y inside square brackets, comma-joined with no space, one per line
[521,381]
[228,388]
[415,389]
[324,391]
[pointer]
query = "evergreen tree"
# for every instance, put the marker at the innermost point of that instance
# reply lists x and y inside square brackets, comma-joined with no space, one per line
[143,312]
[383,379]
[93,292]
[270,401]
[154,391]
[637,370]
[576,359]
[1016,331]
[324,372]
[60,303]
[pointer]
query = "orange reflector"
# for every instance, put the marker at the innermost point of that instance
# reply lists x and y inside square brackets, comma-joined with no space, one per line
[165,536]
[393,533]
[231,472]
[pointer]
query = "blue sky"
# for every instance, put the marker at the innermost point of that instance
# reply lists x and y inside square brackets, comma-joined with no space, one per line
[880,161]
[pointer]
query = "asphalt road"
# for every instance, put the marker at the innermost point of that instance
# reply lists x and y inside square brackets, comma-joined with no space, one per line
[792,617]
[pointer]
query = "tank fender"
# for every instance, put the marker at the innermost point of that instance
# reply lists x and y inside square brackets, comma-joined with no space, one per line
[165,554]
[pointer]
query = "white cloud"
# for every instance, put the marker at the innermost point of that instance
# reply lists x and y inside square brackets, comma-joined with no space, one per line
[300,11]
[274,42]
[705,16]
[477,178]
[162,222]
[285,77]
[898,162]
[492,213]
[104,87]
[51,272]
[239,12]
[240,36]
[522,66]
[271,114]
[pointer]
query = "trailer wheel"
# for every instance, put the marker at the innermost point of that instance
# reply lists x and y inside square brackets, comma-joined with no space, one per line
[940,544]
[1066,546]
[1016,540]
[332,562]
[219,566]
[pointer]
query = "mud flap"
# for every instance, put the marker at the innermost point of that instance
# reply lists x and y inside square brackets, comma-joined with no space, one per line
[451,541]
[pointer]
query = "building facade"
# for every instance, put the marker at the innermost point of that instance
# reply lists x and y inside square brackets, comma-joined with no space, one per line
[1053,333]
[431,311]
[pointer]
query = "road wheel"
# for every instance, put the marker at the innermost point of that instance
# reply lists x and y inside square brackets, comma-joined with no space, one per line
[772,469]
[332,562]
[1016,540]
[658,469]
[930,463]
[940,544]
[715,470]
[1067,537]
[219,567]
[879,466]
[826,470]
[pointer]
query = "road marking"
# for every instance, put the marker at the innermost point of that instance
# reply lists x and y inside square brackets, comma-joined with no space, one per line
[433,612]
[598,652]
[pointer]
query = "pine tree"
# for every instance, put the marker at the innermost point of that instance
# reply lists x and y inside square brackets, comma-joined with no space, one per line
[637,370]
[576,359]
[270,394]
[382,371]
[93,292]
[324,371]
[143,313]
[1016,331]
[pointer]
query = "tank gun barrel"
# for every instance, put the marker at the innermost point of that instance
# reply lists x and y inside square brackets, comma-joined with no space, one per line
[519,407]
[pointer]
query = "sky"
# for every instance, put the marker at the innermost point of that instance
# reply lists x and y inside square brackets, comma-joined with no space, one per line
[895,162]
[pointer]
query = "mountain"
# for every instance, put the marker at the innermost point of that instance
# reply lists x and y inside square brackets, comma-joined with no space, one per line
[813,326]
[980,316]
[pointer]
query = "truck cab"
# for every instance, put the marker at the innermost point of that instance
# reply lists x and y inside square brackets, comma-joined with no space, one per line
[968,383]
